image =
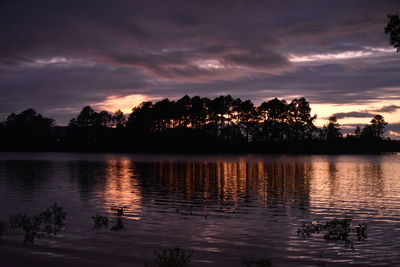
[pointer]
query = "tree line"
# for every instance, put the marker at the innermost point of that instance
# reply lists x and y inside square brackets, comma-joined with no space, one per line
[190,124]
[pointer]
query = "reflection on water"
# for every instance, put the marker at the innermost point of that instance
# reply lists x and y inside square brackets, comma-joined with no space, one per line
[225,209]
[234,182]
[121,189]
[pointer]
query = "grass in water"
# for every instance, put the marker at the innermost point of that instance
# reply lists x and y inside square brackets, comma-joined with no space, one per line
[100,222]
[171,257]
[257,263]
[335,230]
[48,222]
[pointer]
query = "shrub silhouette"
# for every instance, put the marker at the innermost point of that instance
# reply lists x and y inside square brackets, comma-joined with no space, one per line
[171,257]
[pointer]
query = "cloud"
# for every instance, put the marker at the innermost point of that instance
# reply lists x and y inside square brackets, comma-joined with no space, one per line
[367,113]
[388,109]
[58,56]
[60,91]
[353,114]
[123,103]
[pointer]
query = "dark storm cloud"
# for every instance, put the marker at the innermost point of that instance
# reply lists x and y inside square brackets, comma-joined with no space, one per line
[57,56]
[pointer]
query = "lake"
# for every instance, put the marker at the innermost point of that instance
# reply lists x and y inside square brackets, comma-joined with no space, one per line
[223,209]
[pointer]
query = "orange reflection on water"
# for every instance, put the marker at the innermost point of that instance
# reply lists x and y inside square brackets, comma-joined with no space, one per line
[231,181]
[366,187]
[122,189]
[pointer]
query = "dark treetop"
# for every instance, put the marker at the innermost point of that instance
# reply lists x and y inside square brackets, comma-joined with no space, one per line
[193,125]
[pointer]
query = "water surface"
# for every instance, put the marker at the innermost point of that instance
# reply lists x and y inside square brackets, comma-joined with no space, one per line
[223,208]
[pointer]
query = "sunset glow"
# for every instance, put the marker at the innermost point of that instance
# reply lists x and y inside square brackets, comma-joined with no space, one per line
[338,57]
[349,122]
[122,189]
[199,133]
[123,103]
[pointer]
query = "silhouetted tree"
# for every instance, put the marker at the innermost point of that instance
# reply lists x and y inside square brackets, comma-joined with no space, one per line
[85,118]
[367,132]
[27,131]
[141,119]
[220,112]
[393,29]
[300,120]
[90,130]
[198,112]
[248,118]
[378,124]
[275,115]
[376,129]
[357,132]
[331,131]
[103,119]
[181,112]
[275,110]
[190,124]
[118,119]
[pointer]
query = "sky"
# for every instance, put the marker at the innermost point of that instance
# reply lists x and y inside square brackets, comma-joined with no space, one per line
[59,56]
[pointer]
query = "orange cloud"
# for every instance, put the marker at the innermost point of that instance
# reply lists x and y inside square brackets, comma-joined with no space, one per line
[124,103]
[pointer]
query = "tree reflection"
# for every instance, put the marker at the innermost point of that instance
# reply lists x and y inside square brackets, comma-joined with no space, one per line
[226,185]
[26,175]
[90,175]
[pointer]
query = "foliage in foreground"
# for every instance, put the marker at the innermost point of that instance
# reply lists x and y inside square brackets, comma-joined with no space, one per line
[393,29]
[257,263]
[49,222]
[100,222]
[171,257]
[335,230]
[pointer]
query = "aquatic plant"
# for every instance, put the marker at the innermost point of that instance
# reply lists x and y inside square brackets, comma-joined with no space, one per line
[171,257]
[257,263]
[48,222]
[334,230]
[17,220]
[119,210]
[118,225]
[361,230]
[100,222]
[54,218]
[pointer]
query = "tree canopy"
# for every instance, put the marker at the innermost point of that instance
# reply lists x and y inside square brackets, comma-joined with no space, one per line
[189,123]
[27,130]
[393,29]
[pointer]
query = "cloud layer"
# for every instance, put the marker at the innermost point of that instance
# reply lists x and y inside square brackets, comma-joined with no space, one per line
[367,113]
[57,56]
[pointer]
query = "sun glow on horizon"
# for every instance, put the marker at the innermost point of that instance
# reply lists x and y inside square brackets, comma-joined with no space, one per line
[325,110]
[123,103]
[358,114]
